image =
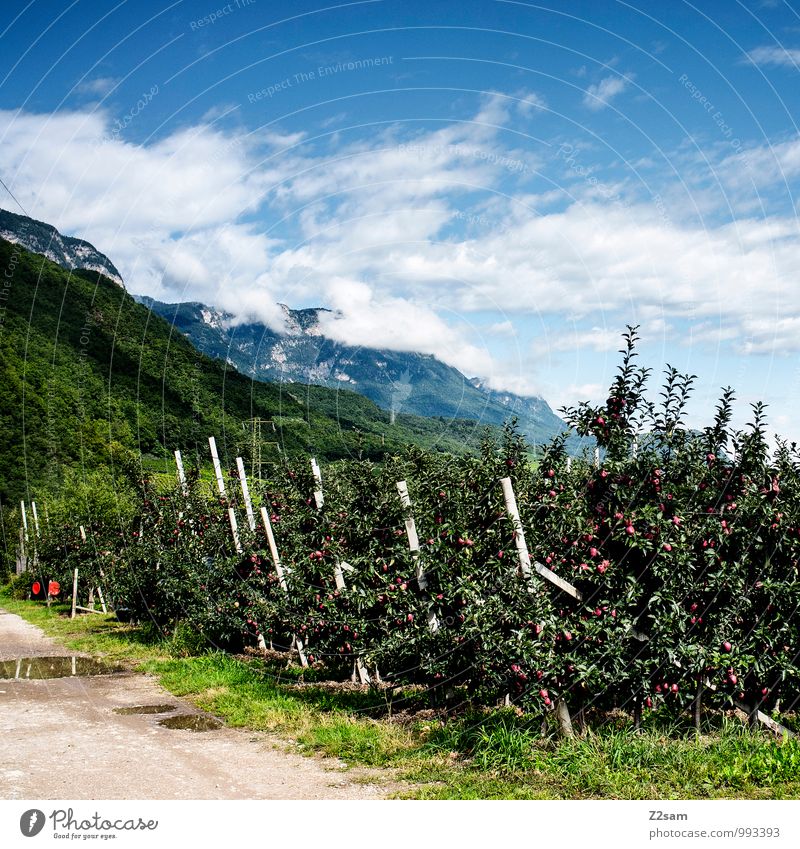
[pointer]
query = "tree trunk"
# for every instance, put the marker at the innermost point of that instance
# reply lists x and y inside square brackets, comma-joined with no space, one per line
[564,721]
[580,720]
[698,706]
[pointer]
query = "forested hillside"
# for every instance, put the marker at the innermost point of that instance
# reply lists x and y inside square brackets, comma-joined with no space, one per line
[88,375]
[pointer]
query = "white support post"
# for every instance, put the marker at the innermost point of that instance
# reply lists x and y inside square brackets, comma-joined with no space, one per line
[181,473]
[24,519]
[318,497]
[413,546]
[217,468]
[569,464]
[248,504]
[102,600]
[596,457]
[338,568]
[35,518]
[74,592]
[273,550]
[212,443]
[522,547]
[83,533]
[635,446]
[411,533]
[234,530]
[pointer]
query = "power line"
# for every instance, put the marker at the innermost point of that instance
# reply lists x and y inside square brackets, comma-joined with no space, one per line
[2,183]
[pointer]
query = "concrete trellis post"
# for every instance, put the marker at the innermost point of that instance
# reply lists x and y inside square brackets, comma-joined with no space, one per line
[596,457]
[413,546]
[525,564]
[35,518]
[569,464]
[212,443]
[235,531]
[248,504]
[181,473]
[273,550]
[74,593]
[359,670]
[318,496]
[221,486]
[24,519]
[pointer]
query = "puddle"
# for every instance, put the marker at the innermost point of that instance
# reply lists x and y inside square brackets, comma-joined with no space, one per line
[129,711]
[191,722]
[54,667]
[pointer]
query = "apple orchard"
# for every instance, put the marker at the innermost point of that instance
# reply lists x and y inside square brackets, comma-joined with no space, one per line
[683,546]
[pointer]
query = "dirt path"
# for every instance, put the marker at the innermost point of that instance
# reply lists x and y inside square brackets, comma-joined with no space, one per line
[60,739]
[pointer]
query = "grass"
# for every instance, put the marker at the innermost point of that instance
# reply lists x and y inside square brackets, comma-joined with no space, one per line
[476,755]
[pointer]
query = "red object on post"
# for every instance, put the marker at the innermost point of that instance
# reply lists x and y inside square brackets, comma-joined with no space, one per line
[36,588]
[53,588]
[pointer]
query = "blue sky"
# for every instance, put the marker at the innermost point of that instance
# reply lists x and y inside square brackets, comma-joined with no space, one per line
[504,184]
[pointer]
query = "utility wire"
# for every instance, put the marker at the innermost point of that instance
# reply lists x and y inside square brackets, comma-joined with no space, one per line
[2,183]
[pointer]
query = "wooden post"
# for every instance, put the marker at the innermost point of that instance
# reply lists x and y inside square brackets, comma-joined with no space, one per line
[766,721]
[413,546]
[318,497]
[181,473]
[102,600]
[522,547]
[217,468]
[248,505]
[74,592]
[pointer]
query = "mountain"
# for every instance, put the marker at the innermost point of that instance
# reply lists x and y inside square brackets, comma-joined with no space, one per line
[90,378]
[396,381]
[44,239]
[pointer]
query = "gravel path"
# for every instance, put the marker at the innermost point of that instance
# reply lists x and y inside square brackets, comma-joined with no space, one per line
[60,739]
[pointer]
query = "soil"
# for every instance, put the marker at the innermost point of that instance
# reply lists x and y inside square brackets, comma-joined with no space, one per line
[63,738]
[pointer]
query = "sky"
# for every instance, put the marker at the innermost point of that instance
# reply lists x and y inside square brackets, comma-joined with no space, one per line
[504,184]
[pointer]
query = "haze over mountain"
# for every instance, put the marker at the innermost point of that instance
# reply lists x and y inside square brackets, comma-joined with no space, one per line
[397,381]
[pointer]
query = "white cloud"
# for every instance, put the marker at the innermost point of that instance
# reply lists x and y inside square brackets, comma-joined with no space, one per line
[598,96]
[528,102]
[184,218]
[99,86]
[786,57]
[593,339]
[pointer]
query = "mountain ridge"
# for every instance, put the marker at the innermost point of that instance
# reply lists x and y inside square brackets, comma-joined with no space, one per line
[67,251]
[396,381]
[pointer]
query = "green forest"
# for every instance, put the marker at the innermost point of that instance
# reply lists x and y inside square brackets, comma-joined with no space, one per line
[92,381]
